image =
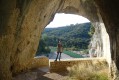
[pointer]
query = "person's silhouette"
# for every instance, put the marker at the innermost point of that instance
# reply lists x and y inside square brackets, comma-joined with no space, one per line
[59,50]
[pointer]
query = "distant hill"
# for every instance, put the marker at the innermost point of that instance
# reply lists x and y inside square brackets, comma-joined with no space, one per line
[75,36]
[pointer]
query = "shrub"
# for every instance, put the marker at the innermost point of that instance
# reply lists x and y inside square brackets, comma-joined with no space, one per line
[88,72]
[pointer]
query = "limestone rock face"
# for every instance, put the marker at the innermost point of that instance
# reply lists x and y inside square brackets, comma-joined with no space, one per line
[110,16]
[100,44]
[96,45]
[22,21]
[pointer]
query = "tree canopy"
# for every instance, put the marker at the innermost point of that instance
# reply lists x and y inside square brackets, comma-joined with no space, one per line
[75,36]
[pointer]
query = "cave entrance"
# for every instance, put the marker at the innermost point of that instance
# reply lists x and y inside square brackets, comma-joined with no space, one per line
[94,49]
[80,37]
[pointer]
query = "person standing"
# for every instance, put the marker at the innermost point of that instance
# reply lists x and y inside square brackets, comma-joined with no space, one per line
[59,50]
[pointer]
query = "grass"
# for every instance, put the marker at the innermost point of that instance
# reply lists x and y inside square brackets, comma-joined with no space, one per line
[53,49]
[88,72]
[74,55]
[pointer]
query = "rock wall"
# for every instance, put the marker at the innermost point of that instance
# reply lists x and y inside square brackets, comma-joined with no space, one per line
[96,45]
[22,21]
[61,66]
[110,16]
[100,43]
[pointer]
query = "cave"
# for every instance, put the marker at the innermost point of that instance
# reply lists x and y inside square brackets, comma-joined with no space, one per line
[61,28]
[97,45]
[22,21]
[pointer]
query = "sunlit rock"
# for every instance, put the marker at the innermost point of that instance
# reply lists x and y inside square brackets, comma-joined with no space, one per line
[22,21]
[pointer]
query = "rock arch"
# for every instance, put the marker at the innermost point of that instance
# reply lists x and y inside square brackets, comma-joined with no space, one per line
[22,21]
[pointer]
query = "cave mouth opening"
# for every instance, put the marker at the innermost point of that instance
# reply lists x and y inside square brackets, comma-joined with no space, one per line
[75,33]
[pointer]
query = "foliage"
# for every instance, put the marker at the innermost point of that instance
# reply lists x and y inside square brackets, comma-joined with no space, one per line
[73,36]
[42,48]
[92,30]
[53,49]
[74,55]
[88,72]
[70,53]
[85,51]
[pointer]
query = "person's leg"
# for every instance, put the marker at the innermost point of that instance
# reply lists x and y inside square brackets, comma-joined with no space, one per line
[57,56]
[60,56]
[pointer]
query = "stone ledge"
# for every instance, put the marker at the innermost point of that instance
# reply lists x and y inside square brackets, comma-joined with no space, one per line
[59,66]
[38,62]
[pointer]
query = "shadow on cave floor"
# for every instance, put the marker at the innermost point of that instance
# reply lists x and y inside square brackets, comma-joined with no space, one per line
[41,74]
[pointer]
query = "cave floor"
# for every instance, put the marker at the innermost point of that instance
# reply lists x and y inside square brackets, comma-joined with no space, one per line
[41,74]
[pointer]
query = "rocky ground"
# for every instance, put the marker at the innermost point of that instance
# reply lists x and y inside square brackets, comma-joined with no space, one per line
[41,74]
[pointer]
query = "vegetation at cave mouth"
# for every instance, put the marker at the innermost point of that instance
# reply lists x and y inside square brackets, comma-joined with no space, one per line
[73,37]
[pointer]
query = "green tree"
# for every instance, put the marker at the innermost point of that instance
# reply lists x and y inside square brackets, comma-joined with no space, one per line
[42,48]
[78,35]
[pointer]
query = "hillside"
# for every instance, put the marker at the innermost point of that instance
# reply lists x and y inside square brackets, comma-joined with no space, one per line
[73,36]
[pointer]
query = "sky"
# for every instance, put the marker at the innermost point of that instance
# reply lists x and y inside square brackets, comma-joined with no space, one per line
[62,19]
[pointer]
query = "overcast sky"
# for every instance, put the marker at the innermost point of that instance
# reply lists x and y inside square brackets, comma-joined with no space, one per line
[62,19]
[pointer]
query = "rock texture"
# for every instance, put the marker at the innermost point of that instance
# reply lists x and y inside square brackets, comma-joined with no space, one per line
[22,21]
[110,16]
[60,66]
[96,45]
